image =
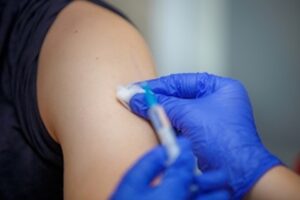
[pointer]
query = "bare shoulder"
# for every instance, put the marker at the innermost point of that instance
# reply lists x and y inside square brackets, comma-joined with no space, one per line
[84,38]
[87,53]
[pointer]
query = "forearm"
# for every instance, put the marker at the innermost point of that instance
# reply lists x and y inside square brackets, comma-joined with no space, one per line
[278,183]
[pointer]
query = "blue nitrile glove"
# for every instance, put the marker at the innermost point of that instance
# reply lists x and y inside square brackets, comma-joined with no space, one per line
[216,115]
[175,183]
[175,180]
[212,185]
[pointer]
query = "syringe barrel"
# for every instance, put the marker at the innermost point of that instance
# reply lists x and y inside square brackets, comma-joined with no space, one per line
[165,131]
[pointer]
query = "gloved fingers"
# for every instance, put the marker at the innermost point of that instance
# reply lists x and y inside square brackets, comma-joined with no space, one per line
[213,180]
[172,105]
[138,105]
[186,85]
[185,158]
[146,169]
[217,195]
[179,175]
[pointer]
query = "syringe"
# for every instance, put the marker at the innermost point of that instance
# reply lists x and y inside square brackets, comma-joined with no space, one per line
[164,130]
[159,121]
[161,125]
[157,116]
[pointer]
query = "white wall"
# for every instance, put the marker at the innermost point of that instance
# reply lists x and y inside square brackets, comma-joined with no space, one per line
[184,36]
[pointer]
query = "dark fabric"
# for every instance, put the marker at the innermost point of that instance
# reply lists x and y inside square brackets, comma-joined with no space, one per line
[31,163]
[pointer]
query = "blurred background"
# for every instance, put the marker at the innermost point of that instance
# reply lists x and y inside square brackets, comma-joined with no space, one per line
[255,41]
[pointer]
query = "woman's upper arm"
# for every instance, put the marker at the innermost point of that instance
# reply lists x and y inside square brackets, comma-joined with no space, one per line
[87,53]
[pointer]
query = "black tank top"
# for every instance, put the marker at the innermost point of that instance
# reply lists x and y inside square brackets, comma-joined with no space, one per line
[31,163]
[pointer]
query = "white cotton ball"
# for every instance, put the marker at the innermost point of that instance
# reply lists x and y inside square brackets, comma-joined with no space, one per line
[125,93]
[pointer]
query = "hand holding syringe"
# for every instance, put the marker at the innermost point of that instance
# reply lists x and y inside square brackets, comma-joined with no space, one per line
[159,121]
[161,125]
[157,116]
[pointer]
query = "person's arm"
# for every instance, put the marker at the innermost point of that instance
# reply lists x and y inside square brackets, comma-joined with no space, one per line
[87,53]
[277,184]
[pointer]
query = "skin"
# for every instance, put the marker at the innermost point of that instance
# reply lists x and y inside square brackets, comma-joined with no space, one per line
[277,184]
[87,53]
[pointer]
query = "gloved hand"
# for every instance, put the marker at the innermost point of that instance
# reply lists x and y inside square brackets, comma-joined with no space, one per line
[212,185]
[215,114]
[175,181]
